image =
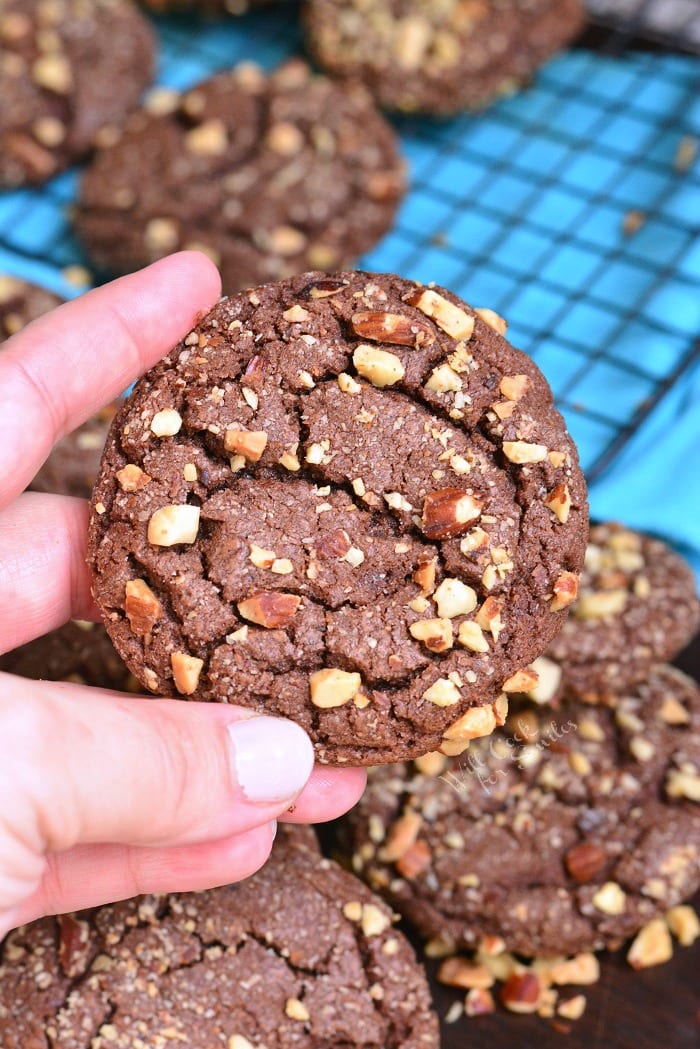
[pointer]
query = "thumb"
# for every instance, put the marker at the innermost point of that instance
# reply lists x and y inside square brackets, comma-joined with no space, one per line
[86,766]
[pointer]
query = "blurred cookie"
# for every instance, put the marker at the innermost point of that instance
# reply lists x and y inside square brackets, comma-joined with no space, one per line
[439,58]
[347,500]
[301,954]
[637,606]
[270,175]
[206,7]
[566,831]
[78,651]
[71,468]
[22,302]
[68,70]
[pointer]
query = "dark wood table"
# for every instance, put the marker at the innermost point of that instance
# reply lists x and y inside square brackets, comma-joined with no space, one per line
[655,1008]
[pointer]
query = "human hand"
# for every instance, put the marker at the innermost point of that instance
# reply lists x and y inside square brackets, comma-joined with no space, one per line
[104,796]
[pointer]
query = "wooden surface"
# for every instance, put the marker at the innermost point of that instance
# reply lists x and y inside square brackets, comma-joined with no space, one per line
[655,1008]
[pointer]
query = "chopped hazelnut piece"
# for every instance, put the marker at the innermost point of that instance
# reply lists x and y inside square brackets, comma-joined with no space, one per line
[601,604]
[186,671]
[559,502]
[684,924]
[374,921]
[572,1008]
[453,320]
[402,835]
[414,861]
[348,385]
[379,367]
[132,478]
[174,524]
[672,711]
[424,575]
[520,452]
[435,634]
[683,783]
[458,972]
[610,898]
[548,680]
[238,1041]
[296,1010]
[166,423]
[331,687]
[289,461]
[270,608]
[282,566]
[444,379]
[53,71]
[479,1002]
[142,607]
[261,558]
[565,591]
[394,328]
[189,472]
[493,319]
[454,598]
[521,681]
[296,313]
[477,722]
[582,970]
[514,386]
[447,512]
[489,616]
[522,992]
[584,861]
[443,693]
[472,637]
[651,946]
[249,443]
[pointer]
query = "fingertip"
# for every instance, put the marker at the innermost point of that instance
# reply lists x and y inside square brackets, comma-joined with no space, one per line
[196,272]
[329,793]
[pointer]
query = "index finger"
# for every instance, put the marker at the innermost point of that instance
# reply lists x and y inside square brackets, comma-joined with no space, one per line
[59,370]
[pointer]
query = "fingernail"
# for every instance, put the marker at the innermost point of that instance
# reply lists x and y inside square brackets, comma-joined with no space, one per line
[272,758]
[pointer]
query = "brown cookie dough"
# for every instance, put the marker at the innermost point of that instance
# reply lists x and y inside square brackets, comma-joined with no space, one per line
[71,468]
[346,500]
[20,303]
[439,58]
[637,606]
[299,955]
[68,70]
[80,652]
[566,831]
[269,175]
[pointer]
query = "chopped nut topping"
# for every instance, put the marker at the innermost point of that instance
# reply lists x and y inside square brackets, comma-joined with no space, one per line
[565,591]
[572,1008]
[189,472]
[142,607]
[672,711]
[584,861]
[132,478]
[521,681]
[174,524]
[651,946]
[435,634]
[374,921]
[289,461]
[443,379]
[582,970]
[479,1002]
[684,924]
[394,328]
[448,512]
[424,576]
[477,722]
[489,616]
[209,139]
[166,423]
[476,539]
[414,861]
[270,608]
[296,313]
[348,385]
[683,784]
[161,234]
[296,1010]
[186,671]
[284,138]
[282,566]
[522,992]
[332,687]
[458,972]
[379,367]
[514,386]
[453,320]
[559,502]
[249,443]
[493,319]
[610,898]
[238,1041]
[261,558]
[454,598]
[443,693]
[53,72]
[73,945]
[431,764]
[398,502]
[521,452]
[472,637]
[403,833]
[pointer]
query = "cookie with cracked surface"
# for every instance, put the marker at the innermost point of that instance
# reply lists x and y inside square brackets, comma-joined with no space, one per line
[301,954]
[69,70]
[80,652]
[21,303]
[439,58]
[347,500]
[566,831]
[71,468]
[637,606]
[270,175]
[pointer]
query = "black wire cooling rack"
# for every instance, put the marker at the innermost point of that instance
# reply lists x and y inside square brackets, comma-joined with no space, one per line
[572,208]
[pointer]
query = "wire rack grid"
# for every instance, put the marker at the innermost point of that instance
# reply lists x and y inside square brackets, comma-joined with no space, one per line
[572,208]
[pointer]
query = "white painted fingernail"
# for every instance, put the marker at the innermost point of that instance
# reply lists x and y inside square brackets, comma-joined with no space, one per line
[272,758]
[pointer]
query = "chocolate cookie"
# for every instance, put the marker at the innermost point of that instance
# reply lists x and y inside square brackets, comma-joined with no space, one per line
[346,500]
[71,468]
[566,831]
[206,7]
[78,651]
[20,303]
[637,606]
[68,70]
[439,58]
[269,175]
[301,954]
